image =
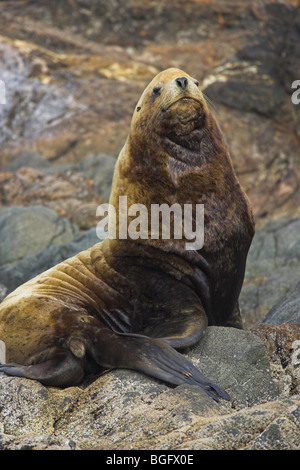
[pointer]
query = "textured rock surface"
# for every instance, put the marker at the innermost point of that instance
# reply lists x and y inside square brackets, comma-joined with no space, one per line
[99,168]
[70,194]
[127,410]
[75,72]
[16,273]
[286,309]
[30,230]
[273,267]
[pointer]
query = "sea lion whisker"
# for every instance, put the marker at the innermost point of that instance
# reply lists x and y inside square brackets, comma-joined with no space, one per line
[210,103]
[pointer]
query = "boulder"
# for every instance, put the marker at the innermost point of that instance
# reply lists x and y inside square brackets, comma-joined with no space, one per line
[286,310]
[16,273]
[283,348]
[3,292]
[29,159]
[30,230]
[99,168]
[70,194]
[272,268]
[124,409]
[75,75]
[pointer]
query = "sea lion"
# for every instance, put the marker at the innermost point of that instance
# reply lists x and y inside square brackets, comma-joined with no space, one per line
[129,303]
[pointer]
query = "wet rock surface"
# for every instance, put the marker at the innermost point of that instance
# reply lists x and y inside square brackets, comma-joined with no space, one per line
[73,73]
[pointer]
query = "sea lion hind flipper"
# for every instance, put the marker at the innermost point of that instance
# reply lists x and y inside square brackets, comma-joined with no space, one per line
[158,359]
[62,370]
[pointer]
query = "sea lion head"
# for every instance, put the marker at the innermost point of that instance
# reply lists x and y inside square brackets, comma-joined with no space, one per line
[174,132]
[172,106]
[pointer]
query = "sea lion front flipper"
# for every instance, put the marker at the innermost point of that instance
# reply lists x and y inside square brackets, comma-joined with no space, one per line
[157,358]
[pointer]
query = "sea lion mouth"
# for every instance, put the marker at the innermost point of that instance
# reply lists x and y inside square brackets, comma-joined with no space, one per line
[184,112]
[182,118]
[186,99]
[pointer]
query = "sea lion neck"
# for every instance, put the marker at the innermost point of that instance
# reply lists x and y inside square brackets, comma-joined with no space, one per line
[170,156]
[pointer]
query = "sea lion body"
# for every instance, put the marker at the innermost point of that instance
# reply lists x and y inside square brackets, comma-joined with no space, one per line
[129,302]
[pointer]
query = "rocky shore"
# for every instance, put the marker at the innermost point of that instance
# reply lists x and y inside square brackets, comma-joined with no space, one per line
[73,77]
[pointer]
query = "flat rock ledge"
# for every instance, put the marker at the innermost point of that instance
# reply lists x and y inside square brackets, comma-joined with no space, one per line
[124,410]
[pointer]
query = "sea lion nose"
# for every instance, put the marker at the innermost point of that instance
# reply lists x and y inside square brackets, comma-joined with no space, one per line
[182,82]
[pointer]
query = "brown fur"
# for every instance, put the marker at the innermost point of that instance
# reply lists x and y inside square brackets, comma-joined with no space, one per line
[89,311]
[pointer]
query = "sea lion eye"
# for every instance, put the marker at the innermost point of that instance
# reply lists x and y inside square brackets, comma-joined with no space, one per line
[156,90]
[196,83]
[138,109]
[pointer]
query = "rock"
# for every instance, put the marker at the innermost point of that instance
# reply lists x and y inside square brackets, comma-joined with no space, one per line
[283,348]
[283,432]
[35,442]
[279,340]
[230,362]
[16,273]
[35,160]
[30,230]
[272,268]
[29,159]
[286,310]
[70,194]
[254,86]
[100,169]
[74,80]
[270,426]
[128,410]
[3,292]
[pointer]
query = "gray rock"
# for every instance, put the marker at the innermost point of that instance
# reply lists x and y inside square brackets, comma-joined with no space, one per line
[16,273]
[99,168]
[27,159]
[30,230]
[273,266]
[287,310]
[35,442]
[59,168]
[237,360]
[268,426]
[3,292]
[32,159]
[128,410]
